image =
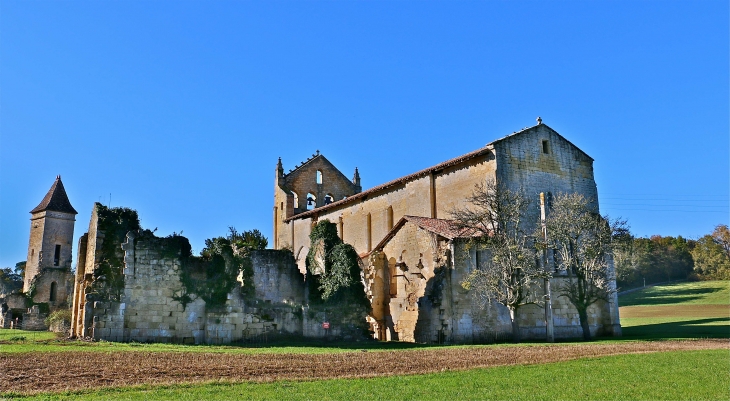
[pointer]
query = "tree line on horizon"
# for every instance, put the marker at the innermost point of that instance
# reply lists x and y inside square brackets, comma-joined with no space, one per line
[656,259]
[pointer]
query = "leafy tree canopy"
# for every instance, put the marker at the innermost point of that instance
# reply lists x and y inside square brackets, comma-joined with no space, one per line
[332,264]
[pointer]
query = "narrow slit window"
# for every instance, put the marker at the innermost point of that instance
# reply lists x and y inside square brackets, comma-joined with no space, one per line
[57,255]
[545,147]
[319,177]
[52,297]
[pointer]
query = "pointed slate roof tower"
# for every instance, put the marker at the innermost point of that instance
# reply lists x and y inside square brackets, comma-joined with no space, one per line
[55,200]
[51,234]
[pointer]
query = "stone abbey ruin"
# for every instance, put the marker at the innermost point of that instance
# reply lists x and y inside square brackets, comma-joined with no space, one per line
[130,285]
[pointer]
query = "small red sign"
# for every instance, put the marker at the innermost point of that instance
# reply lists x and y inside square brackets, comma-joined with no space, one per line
[326,325]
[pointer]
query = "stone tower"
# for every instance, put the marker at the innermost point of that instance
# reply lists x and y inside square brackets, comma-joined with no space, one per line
[51,235]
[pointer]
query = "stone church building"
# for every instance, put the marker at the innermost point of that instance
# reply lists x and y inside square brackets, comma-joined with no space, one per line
[414,257]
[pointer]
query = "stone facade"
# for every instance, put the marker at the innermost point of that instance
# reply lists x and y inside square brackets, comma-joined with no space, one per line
[402,272]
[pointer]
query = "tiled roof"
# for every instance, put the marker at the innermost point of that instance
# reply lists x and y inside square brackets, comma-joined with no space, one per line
[55,200]
[445,228]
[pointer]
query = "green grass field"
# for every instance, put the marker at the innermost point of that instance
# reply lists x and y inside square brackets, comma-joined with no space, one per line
[695,293]
[683,310]
[23,336]
[680,310]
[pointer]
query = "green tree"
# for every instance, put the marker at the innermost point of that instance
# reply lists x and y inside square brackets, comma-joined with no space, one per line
[20,269]
[332,265]
[583,241]
[653,260]
[711,257]
[9,281]
[250,239]
[721,235]
[510,275]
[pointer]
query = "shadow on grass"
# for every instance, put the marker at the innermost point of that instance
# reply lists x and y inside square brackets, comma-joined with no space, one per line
[664,295]
[681,329]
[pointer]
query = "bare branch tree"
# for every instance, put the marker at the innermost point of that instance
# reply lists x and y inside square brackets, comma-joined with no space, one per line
[583,241]
[509,275]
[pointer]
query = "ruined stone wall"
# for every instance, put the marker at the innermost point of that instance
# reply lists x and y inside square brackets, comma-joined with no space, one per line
[410,255]
[48,229]
[414,284]
[421,298]
[87,259]
[276,279]
[6,318]
[34,319]
[54,287]
[150,309]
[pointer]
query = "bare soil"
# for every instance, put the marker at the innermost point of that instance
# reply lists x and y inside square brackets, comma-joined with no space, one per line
[45,371]
[698,311]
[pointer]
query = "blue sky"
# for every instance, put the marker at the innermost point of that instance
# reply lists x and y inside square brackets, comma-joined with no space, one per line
[180,109]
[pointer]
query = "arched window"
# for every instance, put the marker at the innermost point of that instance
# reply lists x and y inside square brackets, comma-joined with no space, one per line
[311,201]
[52,297]
[319,177]
[296,200]
[328,199]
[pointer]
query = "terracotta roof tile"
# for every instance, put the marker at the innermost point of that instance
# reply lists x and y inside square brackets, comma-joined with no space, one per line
[443,227]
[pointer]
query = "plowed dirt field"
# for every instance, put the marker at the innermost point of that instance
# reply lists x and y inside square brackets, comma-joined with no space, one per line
[47,371]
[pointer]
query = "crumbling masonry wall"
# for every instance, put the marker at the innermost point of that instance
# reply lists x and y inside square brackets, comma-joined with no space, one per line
[150,309]
[150,303]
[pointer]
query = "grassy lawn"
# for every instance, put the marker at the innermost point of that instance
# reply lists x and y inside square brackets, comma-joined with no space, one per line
[681,310]
[695,293]
[700,375]
[24,336]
